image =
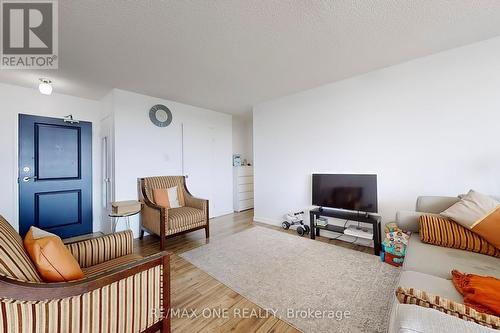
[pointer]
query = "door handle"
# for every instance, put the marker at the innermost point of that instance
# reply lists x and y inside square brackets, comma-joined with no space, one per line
[27,179]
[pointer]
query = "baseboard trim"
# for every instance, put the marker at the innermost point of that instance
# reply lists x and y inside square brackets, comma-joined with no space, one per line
[224,213]
[324,233]
[267,221]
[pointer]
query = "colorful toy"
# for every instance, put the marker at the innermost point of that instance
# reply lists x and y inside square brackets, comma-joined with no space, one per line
[390,227]
[394,245]
[391,259]
[296,218]
[398,237]
[395,249]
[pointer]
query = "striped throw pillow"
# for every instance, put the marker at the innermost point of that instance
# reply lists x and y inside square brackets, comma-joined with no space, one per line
[441,231]
[422,298]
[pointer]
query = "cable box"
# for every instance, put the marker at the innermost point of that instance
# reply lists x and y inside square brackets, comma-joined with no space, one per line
[360,232]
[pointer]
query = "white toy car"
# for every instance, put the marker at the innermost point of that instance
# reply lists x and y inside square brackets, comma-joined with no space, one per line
[296,219]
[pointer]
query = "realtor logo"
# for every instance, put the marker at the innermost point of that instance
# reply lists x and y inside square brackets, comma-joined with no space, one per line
[29,34]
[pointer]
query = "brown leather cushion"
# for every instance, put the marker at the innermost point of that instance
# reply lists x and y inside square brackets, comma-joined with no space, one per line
[52,259]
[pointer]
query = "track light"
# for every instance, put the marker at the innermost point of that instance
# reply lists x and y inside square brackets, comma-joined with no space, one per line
[45,87]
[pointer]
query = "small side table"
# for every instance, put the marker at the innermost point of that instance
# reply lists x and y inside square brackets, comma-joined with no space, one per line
[126,216]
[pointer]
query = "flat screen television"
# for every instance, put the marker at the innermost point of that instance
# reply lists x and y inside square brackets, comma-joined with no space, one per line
[345,191]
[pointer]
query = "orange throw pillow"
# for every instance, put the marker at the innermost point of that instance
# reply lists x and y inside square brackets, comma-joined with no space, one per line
[481,293]
[489,227]
[52,259]
[160,196]
[172,197]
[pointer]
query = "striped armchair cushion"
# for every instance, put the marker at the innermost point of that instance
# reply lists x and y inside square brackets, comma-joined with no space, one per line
[14,262]
[184,218]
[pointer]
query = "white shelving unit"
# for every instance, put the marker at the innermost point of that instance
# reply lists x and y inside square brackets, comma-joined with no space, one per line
[243,188]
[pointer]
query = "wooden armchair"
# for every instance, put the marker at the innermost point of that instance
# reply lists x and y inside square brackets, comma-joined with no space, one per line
[174,221]
[122,292]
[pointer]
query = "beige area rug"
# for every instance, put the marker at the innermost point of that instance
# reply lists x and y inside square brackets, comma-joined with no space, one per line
[295,276]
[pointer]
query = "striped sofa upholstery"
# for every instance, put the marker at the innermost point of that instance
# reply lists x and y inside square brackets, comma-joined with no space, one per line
[98,250]
[14,261]
[170,222]
[462,311]
[124,306]
[121,291]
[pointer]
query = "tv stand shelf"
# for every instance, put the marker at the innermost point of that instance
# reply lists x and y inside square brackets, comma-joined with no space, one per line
[375,221]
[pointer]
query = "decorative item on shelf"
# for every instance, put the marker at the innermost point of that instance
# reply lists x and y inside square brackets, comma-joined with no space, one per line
[394,244]
[236,160]
[321,222]
[245,162]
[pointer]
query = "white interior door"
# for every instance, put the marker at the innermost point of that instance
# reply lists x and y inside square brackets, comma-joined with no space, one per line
[198,162]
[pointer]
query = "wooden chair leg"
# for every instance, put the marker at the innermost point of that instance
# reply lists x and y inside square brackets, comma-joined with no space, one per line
[165,328]
[141,234]
[207,228]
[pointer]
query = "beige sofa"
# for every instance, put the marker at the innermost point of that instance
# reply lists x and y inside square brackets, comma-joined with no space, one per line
[428,267]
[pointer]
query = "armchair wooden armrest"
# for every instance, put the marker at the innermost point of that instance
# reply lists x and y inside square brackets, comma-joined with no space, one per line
[97,250]
[94,301]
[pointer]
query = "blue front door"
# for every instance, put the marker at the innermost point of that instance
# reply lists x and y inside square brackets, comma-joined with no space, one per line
[55,176]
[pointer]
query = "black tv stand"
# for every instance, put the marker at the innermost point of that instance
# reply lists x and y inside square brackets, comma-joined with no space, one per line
[363,217]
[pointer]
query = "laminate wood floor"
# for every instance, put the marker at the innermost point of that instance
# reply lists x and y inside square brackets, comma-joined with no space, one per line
[217,308]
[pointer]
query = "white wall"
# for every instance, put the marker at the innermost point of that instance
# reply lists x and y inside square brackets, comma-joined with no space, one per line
[243,137]
[142,149]
[139,148]
[15,100]
[426,127]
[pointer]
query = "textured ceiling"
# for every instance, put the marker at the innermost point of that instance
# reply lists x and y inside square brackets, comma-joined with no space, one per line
[229,55]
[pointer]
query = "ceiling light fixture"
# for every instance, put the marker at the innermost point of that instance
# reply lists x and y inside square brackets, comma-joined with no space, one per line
[45,87]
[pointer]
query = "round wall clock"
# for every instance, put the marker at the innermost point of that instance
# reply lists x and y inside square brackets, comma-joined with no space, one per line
[160,115]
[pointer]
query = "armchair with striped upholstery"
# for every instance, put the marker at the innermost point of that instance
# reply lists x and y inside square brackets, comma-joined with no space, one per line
[121,291]
[165,222]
